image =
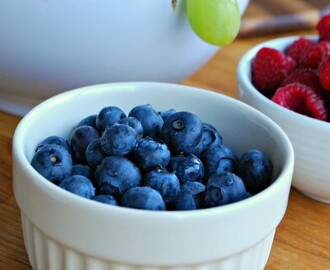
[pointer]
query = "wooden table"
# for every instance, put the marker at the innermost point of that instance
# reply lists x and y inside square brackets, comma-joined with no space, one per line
[302,240]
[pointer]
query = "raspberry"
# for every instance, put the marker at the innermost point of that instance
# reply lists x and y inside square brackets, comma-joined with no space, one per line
[269,67]
[323,28]
[313,57]
[324,72]
[298,49]
[306,76]
[301,99]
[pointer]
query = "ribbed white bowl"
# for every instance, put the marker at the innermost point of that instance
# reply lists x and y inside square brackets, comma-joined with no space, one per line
[309,137]
[65,232]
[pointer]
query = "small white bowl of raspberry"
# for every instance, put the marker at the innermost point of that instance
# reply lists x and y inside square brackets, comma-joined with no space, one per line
[288,79]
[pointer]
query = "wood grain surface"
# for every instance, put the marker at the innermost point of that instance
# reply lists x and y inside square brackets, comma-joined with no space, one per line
[302,240]
[274,16]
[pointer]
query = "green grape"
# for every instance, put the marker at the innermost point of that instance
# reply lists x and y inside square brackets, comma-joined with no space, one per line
[215,21]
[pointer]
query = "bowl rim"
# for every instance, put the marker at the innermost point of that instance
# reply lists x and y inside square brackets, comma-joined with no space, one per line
[169,221]
[244,79]
[18,154]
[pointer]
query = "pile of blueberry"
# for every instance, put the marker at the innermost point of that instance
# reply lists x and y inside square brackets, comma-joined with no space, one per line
[168,160]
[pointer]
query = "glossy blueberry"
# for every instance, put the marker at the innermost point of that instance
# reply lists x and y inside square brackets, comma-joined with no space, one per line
[151,121]
[108,116]
[190,197]
[187,167]
[143,198]
[255,169]
[133,123]
[150,154]
[115,175]
[166,183]
[165,114]
[210,137]
[80,138]
[52,162]
[82,169]
[118,140]
[225,188]
[58,140]
[182,132]
[218,159]
[94,153]
[88,121]
[79,185]
[107,199]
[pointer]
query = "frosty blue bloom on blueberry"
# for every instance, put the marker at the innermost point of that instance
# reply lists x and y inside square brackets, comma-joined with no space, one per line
[80,139]
[224,188]
[88,121]
[133,123]
[115,175]
[150,154]
[108,116]
[151,121]
[166,183]
[79,185]
[143,198]
[187,167]
[182,131]
[106,199]
[58,140]
[190,197]
[255,169]
[53,162]
[94,153]
[218,159]
[210,137]
[166,160]
[118,140]
[82,169]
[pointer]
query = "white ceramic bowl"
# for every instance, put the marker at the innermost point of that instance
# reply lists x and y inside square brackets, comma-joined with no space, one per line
[64,231]
[48,47]
[309,137]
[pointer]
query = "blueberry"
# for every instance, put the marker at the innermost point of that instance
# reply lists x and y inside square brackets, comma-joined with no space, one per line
[79,185]
[224,188]
[218,159]
[58,140]
[115,175]
[53,162]
[187,167]
[143,198]
[108,116]
[210,137]
[150,154]
[118,140]
[182,131]
[190,197]
[151,121]
[80,139]
[165,114]
[166,183]
[255,169]
[88,121]
[107,199]
[82,169]
[94,153]
[133,123]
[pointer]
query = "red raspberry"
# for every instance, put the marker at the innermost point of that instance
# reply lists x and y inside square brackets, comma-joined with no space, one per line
[301,99]
[298,49]
[269,67]
[324,72]
[323,28]
[306,76]
[313,57]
